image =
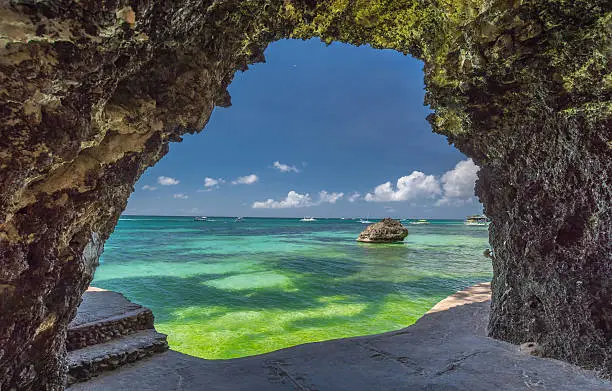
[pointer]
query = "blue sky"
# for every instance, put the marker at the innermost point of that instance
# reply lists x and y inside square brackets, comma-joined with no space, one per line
[346,127]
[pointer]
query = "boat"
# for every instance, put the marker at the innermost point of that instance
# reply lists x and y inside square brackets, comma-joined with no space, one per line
[238,219]
[308,219]
[477,220]
[200,218]
[420,221]
[362,221]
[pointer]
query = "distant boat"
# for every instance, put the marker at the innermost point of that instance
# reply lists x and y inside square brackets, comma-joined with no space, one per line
[420,221]
[200,218]
[477,220]
[239,219]
[308,219]
[362,221]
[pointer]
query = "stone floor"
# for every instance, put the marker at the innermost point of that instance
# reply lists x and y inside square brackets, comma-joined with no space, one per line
[108,332]
[99,304]
[445,350]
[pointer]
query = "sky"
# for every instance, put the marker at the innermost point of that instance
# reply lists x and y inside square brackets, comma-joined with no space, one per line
[317,130]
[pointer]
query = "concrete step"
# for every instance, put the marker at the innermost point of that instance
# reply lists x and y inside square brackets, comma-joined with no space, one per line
[105,315]
[90,361]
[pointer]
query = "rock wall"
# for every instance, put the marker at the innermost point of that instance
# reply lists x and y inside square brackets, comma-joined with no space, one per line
[92,92]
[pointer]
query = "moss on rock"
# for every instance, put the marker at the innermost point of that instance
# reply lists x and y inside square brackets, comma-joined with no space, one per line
[91,93]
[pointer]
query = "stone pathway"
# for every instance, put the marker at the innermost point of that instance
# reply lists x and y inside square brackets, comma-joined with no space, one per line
[445,350]
[108,332]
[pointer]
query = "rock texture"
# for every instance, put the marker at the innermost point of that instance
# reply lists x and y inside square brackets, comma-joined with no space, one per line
[105,315]
[92,92]
[385,231]
[109,331]
[88,362]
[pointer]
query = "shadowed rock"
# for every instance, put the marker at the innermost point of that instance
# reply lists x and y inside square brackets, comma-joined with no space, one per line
[385,231]
[93,92]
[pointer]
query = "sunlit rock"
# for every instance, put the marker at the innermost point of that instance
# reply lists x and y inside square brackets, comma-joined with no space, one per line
[385,231]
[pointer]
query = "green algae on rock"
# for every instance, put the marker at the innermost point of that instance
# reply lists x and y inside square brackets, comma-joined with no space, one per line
[91,93]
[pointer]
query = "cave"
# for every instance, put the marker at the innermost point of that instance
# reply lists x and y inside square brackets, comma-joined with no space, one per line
[92,93]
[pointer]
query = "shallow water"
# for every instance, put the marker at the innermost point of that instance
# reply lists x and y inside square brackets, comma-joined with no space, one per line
[225,289]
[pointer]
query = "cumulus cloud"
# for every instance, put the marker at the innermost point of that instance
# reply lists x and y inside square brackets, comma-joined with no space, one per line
[458,183]
[167,181]
[354,197]
[149,188]
[246,180]
[416,185]
[293,200]
[212,182]
[297,200]
[284,167]
[181,196]
[330,198]
[455,187]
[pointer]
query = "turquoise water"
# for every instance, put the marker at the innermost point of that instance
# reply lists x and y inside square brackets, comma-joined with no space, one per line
[224,289]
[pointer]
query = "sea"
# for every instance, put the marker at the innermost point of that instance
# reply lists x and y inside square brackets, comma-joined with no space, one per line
[223,288]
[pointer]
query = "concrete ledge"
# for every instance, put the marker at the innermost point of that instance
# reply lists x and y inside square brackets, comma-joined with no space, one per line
[85,363]
[447,350]
[104,315]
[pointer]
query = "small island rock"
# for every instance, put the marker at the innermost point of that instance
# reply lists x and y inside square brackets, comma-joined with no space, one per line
[385,231]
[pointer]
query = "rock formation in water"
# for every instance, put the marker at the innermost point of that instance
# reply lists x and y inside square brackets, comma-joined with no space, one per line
[385,231]
[92,92]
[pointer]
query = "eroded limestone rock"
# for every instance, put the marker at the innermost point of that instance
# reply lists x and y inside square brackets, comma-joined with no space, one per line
[92,92]
[385,231]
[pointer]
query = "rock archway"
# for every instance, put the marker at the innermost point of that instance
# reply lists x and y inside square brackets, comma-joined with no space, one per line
[92,92]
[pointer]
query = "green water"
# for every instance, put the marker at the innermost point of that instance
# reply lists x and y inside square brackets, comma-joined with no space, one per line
[225,289]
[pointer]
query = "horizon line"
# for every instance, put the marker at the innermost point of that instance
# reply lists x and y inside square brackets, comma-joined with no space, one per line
[289,217]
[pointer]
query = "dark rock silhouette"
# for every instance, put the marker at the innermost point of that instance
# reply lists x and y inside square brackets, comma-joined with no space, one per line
[92,93]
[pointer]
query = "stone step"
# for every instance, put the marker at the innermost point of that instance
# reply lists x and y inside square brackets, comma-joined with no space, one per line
[105,315]
[90,361]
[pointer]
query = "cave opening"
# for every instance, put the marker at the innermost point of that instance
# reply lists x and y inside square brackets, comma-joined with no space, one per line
[344,119]
[93,93]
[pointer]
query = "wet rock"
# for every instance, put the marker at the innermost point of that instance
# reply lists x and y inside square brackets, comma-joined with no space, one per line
[385,231]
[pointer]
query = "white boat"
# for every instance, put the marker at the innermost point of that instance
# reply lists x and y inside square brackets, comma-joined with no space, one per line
[308,219]
[362,221]
[200,218]
[239,219]
[477,220]
[420,221]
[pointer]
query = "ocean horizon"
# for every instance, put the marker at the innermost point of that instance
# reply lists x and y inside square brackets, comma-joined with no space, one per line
[224,289]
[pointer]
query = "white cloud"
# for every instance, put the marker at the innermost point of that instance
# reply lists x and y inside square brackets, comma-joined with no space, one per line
[246,180]
[354,197]
[458,184]
[212,182]
[149,188]
[284,167]
[167,181]
[331,198]
[415,185]
[293,200]
[181,196]
[297,200]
